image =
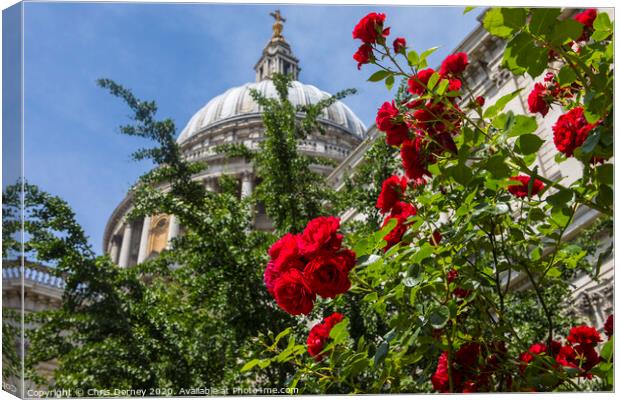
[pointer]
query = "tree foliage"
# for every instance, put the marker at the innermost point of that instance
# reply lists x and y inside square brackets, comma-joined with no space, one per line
[290,189]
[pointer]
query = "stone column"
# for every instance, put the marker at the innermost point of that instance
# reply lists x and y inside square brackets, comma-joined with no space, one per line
[144,239]
[246,185]
[125,246]
[173,229]
[210,184]
[114,248]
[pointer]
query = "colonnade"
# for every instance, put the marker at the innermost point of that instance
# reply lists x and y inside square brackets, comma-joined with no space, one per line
[120,246]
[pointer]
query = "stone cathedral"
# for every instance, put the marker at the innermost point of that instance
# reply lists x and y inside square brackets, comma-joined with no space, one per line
[234,117]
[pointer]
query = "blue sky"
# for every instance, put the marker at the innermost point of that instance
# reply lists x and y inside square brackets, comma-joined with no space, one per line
[180,55]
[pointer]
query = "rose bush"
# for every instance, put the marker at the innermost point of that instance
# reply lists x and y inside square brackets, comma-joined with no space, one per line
[470,225]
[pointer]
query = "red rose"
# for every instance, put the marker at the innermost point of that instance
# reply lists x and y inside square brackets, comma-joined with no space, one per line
[521,189]
[328,275]
[437,118]
[609,326]
[284,255]
[452,275]
[567,357]
[348,258]
[480,101]
[414,162]
[461,293]
[396,132]
[333,320]
[316,340]
[570,131]
[584,335]
[454,64]
[586,18]
[270,275]
[441,378]
[528,356]
[536,101]
[417,83]
[583,357]
[399,44]
[454,85]
[320,234]
[319,335]
[470,387]
[401,212]
[293,293]
[435,238]
[363,55]
[413,104]
[370,28]
[588,356]
[468,355]
[392,191]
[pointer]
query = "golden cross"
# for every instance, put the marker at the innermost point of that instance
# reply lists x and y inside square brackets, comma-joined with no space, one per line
[277,26]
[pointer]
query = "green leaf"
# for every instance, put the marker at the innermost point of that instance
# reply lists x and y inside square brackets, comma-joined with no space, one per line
[560,198]
[503,22]
[536,60]
[500,104]
[560,217]
[389,82]
[528,144]
[560,158]
[599,36]
[607,351]
[428,52]
[461,173]
[413,58]
[565,30]
[513,54]
[497,167]
[468,9]
[443,85]
[379,75]
[432,81]
[521,125]
[280,336]
[264,363]
[543,20]
[591,142]
[605,174]
[602,23]
[340,331]
[370,297]
[381,353]
[605,196]
[425,251]
[439,317]
[566,76]
[249,365]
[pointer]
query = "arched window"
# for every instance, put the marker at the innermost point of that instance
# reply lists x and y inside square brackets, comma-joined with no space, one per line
[158,234]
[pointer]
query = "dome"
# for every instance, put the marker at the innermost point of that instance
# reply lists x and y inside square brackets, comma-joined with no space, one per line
[237,102]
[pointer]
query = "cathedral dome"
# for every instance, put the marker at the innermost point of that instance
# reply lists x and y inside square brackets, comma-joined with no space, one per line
[237,102]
